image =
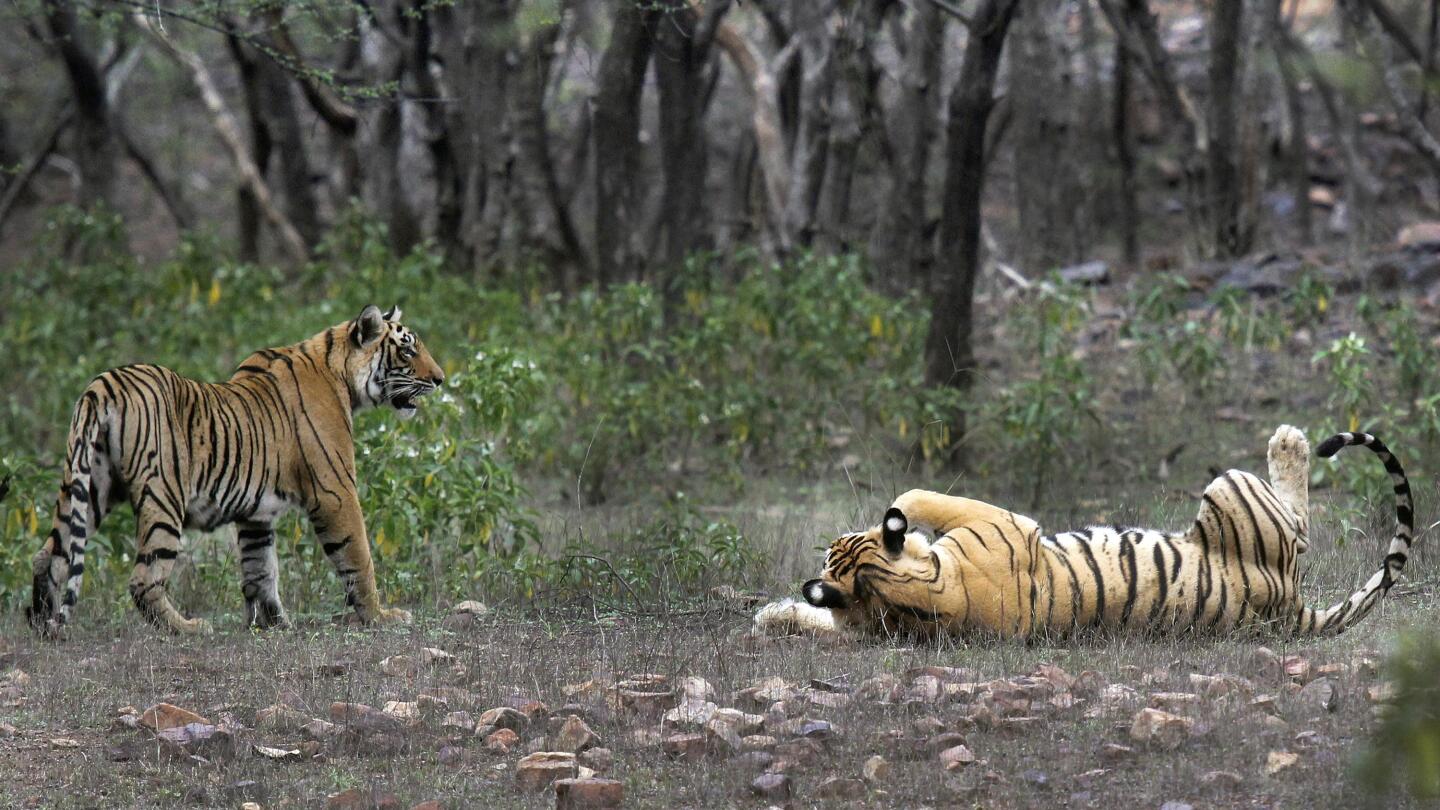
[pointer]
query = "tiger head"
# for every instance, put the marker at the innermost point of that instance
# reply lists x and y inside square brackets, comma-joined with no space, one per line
[871,573]
[388,363]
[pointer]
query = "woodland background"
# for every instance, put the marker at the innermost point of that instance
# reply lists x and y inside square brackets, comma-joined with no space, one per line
[712,282]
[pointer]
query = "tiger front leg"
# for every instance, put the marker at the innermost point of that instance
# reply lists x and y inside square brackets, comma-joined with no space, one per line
[341,531]
[259,574]
[942,513]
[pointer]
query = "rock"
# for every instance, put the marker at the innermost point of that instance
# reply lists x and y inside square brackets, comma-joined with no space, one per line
[774,787]
[758,742]
[689,747]
[248,791]
[459,721]
[827,700]
[1277,761]
[1269,664]
[318,729]
[359,717]
[1176,806]
[947,739]
[1088,683]
[1297,669]
[504,717]
[1114,752]
[1160,728]
[697,689]
[753,761]
[399,666]
[352,799]
[875,770]
[1035,778]
[647,699]
[820,730]
[277,754]
[579,794]
[201,739]
[471,607]
[434,656]
[537,770]
[7,731]
[691,714]
[501,741]
[1173,700]
[600,760]
[802,750]
[406,712]
[1228,779]
[840,787]
[1383,692]
[743,723]
[164,715]
[574,736]
[432,804]
[1320,693]
[450,756]
[280,717]
[956,757]
[1418,234]
[722,738]
[66,742]
[1086,274]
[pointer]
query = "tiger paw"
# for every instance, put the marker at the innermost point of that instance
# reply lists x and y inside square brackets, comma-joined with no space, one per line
[192,627]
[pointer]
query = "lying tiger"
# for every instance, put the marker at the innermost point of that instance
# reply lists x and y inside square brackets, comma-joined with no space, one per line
[991,571]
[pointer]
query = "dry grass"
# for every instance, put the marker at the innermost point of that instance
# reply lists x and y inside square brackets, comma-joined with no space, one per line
[76,688]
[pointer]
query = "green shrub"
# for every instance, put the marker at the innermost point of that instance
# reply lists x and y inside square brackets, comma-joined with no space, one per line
[1405,750]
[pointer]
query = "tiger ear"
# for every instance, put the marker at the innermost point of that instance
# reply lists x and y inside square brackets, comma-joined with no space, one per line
[367,327]
[892,531]
[393,314]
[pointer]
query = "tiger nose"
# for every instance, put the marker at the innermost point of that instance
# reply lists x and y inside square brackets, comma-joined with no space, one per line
[438,377]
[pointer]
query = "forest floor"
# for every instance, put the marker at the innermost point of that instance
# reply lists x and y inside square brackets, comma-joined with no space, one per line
[1044,724]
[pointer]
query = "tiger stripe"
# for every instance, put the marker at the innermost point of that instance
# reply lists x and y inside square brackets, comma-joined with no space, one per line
[991,570]
[193,455]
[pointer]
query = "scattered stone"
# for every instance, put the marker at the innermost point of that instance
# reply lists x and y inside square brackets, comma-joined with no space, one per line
[875,770]
[820,730]
[1173,700]
[574,736]
[318,729]
[1176,806]
[1269,664]
[501,741]
[433,656]
[164,715]
[1035,778]
[827,700]
[276,754]
[200,739]
[459,721]
[840,787]
[1298,669]
[1265,703]
[450,756]
[956,757]
[280,717]
[1274,725]
[433,804]
[1320,693]
[399,666]
[689,747]
[1277,761]
[406,712]
[690,714]
[471,607]
[758,742]
[801,751]
[7,731]
[1383,692]
[721,738]
[1160,728]
[1227,779]
[1114,752]
[695,688]
[359,717]
[580,794]
[1087,274]
[743,723]
[771,786]
[600,760]
[352,799]
[504,717]
[1419,234]
[754,760]
[537,770]
[63,742]
[947,739]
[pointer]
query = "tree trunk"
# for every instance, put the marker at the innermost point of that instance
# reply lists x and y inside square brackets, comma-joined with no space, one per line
[810,151]
[898,247]
[949,358]
[1043,185]
[1125,160]
[680,76]
[1297,145]
[620,82]
[95,145]
[247,210]
[1231,233]
[381,135]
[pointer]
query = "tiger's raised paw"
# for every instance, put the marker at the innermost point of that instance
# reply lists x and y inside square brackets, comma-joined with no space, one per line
[192,627]
[393,616]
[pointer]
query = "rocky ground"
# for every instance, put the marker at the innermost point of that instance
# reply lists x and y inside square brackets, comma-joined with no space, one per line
[484,708]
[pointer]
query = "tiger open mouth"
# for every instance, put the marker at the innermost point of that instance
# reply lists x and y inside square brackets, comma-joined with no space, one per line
[404,401]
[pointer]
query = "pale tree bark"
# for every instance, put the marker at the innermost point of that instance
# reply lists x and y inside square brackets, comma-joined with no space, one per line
[382,135]
[1044,186]
[855,114]
[1381,57]
[1296,133]
[229,132]
[1231,235]
[949,356]
[810,149]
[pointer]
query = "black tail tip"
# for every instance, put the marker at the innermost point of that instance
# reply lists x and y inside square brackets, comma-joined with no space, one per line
[1332,445]
[4,488]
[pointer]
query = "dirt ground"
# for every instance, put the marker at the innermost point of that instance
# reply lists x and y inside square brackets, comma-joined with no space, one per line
[1043,724]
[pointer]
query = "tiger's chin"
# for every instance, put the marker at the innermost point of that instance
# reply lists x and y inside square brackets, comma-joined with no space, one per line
[405,406]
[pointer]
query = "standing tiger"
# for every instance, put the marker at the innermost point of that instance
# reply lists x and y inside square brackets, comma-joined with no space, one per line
[277,435]
[990,570]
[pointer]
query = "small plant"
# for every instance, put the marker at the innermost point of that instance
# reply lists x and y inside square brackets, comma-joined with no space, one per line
[1346,362]
[1405,749]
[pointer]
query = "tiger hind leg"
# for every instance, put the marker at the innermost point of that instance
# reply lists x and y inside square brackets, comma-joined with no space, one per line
[158,533]
[1289,461]
[259,574]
